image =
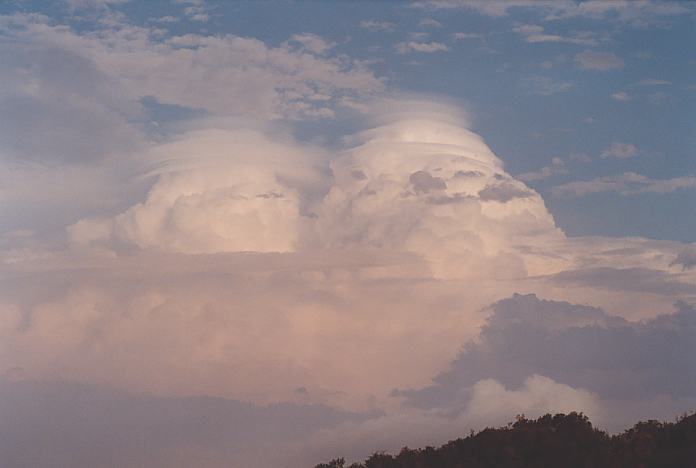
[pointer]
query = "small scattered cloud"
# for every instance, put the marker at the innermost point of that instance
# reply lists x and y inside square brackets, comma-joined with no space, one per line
[621,96]
[166,19]
[423,47]
[377,26]
[628,183]
[635,13]
[557,167]
[313,43]
[462,35]
[546,86]
[590,60]
[652,82]
[619,151]
[195,10]
[533,33]
[429,23]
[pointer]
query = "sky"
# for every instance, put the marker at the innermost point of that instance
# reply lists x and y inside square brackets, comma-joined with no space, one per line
[260,234]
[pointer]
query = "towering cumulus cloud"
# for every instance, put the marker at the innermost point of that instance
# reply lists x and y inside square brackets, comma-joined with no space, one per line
[343,284]
[421,182]
[256,278]
[218,190]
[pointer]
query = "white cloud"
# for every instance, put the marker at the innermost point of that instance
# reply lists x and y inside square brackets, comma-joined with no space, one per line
[219,191]
[533,33]
[376,25]
[601,61]
[429,23]
[462,35]
[621,96]
[628,183]
[557,167]
[423,47]
[539,395]
[190,70]
[195,10]
[652,82]
[620,151]
[313,43]
[637,13]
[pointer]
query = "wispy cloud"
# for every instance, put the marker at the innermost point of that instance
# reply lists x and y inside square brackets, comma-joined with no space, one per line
[546,86]
[637,13]
[590,60]
[376,25]
[652,82]
[628,183]
[557,167]
[430,23]
[533,33]
[423,47]
[621,96]
[619,151]
[462,35]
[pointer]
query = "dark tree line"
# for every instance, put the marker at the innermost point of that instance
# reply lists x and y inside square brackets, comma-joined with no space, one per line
[560,440]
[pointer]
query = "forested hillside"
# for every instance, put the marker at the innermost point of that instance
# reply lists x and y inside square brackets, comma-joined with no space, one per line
[560,440]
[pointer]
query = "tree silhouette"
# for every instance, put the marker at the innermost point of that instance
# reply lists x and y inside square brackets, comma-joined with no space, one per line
[561,440]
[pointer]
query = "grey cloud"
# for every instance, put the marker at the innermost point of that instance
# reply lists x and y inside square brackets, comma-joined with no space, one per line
[503,192]
[626,279]
[576,345]
[686,258]
[48,424]
[469,174]
[423,182]
[69,113]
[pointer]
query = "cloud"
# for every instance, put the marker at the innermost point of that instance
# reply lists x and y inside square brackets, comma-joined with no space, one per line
[503,193]
[620,151]
[686,258]
[312,43]
[429,23]
[575,346]
[533,33]
[628,183]
[600,61]
[204,202]
[652,82]
[376,25]
[84,426]
[491,401]
[557,167]
[462,35]
[621,96]
[189,70]
[636,13]
[546,86]
[195,10]
[423,47]
[627,279]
